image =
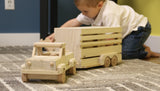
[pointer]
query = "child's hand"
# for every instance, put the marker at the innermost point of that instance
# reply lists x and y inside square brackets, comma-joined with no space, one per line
[51,37]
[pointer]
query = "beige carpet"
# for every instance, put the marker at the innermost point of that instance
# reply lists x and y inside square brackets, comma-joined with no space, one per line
[131,75]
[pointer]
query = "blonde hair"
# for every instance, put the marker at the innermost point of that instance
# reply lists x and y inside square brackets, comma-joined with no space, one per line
[89,3]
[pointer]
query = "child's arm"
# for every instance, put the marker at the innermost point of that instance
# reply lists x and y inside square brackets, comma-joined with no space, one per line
[70,23]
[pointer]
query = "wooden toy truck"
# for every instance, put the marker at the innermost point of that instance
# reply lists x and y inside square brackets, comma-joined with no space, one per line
[92,46]
[49,65]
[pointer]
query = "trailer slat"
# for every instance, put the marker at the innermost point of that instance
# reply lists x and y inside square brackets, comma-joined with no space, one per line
[89,52]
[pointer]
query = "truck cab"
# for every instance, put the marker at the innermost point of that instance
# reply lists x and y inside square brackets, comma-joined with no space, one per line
[49,61]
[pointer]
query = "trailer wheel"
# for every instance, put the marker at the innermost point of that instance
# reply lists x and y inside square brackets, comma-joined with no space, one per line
[62,77]
[24,78]
[107,62]
[114,60]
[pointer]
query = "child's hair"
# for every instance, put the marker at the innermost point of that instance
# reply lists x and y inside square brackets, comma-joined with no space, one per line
[89,3]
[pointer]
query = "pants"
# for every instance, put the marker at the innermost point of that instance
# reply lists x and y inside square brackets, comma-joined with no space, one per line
[132,45]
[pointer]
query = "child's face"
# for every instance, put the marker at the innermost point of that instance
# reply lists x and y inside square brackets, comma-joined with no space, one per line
[90,12]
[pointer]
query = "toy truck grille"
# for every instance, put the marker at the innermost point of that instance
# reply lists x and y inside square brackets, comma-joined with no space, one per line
[89,43]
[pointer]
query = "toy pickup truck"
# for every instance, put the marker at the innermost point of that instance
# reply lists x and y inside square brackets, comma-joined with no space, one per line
[51,64]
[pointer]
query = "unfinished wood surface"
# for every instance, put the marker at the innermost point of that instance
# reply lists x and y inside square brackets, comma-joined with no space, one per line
[100,30]
[100,43]
[24,77]
[62,78]
[47,48]
[49,44]
[71,38]
[42,77]
[107,61]
[101,36]
[90,42]
[72,71]
[93,62]
[91,30]
[46,65]
[114,60]
[33,51]
[97,51]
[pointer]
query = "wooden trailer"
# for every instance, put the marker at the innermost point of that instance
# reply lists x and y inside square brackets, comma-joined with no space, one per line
[92,46]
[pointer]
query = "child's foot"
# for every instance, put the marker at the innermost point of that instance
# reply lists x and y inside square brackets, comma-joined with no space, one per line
[151,53]
[154,54]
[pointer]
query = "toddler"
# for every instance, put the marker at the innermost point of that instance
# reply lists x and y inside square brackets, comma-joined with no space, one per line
[135,27]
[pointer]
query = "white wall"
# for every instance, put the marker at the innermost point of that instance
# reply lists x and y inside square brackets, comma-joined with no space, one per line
[154,43]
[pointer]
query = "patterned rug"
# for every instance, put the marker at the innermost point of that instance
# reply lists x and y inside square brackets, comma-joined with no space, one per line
[131,75]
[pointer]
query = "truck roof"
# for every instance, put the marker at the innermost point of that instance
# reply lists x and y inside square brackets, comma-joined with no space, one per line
[50,44]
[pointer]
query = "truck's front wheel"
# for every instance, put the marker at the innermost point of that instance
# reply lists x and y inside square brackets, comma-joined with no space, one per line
[72,71]
[62,77]
[24,78]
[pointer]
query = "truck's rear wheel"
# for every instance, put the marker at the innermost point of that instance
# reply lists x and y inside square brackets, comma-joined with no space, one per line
[107,62]
[24,78]
[114,60]
[62,77]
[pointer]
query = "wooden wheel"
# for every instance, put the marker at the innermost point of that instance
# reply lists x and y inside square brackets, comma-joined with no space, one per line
[24,78]
[72,71]
[62,77]
[107,62]
[114,60]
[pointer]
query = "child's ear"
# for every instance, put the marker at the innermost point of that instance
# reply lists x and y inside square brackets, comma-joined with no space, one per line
[100,4]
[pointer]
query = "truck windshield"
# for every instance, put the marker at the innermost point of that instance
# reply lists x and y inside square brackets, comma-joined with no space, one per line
[48,51]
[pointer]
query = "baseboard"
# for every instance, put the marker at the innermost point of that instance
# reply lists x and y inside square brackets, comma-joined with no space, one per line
[154,43]
[18,39]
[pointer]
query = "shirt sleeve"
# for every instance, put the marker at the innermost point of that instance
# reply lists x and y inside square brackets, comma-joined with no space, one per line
[84,19]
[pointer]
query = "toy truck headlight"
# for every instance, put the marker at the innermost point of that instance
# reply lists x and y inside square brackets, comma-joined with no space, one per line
[72,61]
[29,63]
[61,68]
[51,64]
